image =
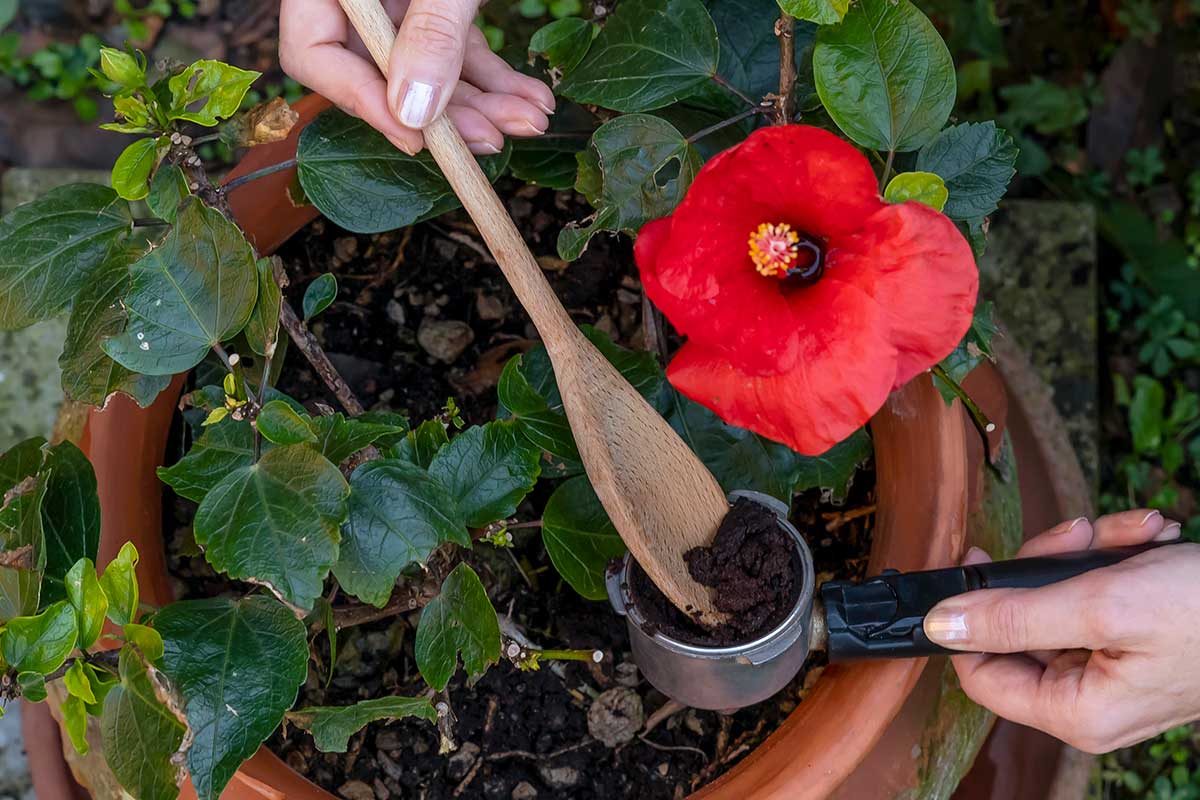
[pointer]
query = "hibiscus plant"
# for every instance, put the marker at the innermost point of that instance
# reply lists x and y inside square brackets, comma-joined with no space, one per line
[805,214]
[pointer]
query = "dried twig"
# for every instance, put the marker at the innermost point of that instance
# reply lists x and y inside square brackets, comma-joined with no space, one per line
[664,712]
[836,519]
[785,29]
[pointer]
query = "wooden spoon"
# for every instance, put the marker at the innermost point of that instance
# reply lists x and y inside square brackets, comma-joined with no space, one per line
[661,498]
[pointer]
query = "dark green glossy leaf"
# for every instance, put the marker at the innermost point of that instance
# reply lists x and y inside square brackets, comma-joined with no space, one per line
[131,172]
[319,294]
[885,76]
[338,438]
[40,643]
[332,726]
[822,12]
[1147,411]
[398,514]
[421,445]
[168,190]
[639,367]
[276,522]
[649,54]
[579,537]
[645,166]
[222,448]
[216,87]
[921,187]
[834,469]
[546,428]
[262,331]
[974,349]
[50,248]
[88,599]
[563,42]
[280,424]
[120,585]
[361,181]
[550,160]
[140,733]
[488,470]
[976,161]
[238,665]
[33,686]
[70,516]
[460,619]
[193,291]
[21,531]
[21,461]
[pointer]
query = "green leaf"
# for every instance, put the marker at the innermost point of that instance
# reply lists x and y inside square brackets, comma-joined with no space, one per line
[40,643]
[238,665]
[33,686]
[319,294]
[398,514]
[338,438]
[420,446]
[88,599]
[140,733]
[217,87]
[459,619]
[644,166]
[834,469]
[1146,414]
[21,461]
[923,187]
[74,716]
[976,161]
[8,12]
[332,726]
[120,585]
[974,349]
[579,537]
[146,639]
[360,181]
[223,448]
[88,374]
[649,54]
[279,423]
[563,42]
[122,68]
[168,190]
[262,331]
[885,76]
[131,172]
[550,160]
[21,530]
[488,470]
[49,249]
[822,12]
[544,427]
[276,522]
[193,291]
[70,516]
[77,683]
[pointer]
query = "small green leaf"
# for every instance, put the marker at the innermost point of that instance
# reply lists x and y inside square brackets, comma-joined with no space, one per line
[21,461]
[120,585]
[146,639]
[77,682]
[88,599]
[220,86]
[262,331]
[643,165]
[332,726]
[923,187]
[886,92]
[488,470]
[192,292]
[141,736]
[563,42]
[649,54]
[834,469]
[50,248]
[319,294]
[279,423]
[238,665]
[459,619]
[822,12]
[21,533]
[33,686]
[338,438]
[544,427]
[40,643]
[70,516]
[398,515]
[1146,414]
[216,415]
[223,448]
[131,172]
[168,190]
[579,537]
[121,68]
[974,349]
[74,716]
[976,160]
[420,445]
[276,522]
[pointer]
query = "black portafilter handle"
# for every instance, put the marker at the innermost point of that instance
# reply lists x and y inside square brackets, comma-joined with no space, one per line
[883,617]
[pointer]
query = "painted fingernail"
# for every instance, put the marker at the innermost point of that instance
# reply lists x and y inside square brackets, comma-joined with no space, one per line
[946,626]
[417,104]
[1146,520]
[1171,531]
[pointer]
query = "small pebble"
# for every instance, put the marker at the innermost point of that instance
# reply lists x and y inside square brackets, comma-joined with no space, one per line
[558,777]
[459,764]
[524,791]
[395,312]
[445,339]
[616,716]
[356,790]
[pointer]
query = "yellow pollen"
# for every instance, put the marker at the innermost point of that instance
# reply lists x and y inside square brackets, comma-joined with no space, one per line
[774,249]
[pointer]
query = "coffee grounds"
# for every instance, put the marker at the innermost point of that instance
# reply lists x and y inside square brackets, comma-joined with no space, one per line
[753,568]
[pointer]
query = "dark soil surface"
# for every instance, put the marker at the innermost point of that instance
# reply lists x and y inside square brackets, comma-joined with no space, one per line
[752,568]
[518,734]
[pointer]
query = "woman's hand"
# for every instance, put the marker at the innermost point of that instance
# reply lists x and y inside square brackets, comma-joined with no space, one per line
[1102,660]
[441,61]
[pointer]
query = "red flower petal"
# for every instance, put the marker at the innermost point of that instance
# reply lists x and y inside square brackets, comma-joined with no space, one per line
[845,370]
[920,269]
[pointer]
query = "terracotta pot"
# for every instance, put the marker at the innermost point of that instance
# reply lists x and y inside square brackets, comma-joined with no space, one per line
[921,456]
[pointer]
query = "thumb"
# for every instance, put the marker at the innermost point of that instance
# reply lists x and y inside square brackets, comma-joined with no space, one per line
[427,58]
[1055,617]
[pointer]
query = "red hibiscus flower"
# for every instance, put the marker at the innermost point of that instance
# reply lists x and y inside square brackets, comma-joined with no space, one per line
[805,298]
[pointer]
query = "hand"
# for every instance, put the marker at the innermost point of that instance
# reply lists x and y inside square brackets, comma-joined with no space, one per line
[440,61]
[1102,660]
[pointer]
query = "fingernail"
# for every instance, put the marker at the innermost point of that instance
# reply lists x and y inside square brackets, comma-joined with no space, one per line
[946,626]
[1064,529]
[1149,517]
[534,130]
[545,108]
[976,555]
[417,104]
[1171,531]
[485,148]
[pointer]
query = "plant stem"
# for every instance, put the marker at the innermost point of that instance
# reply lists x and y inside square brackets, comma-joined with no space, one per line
[311,349]
[211,137]
[725,123]
[568,655]
[724,84]
[242,180]
[887,170]
[149,222]
[981,420]
[785,30]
